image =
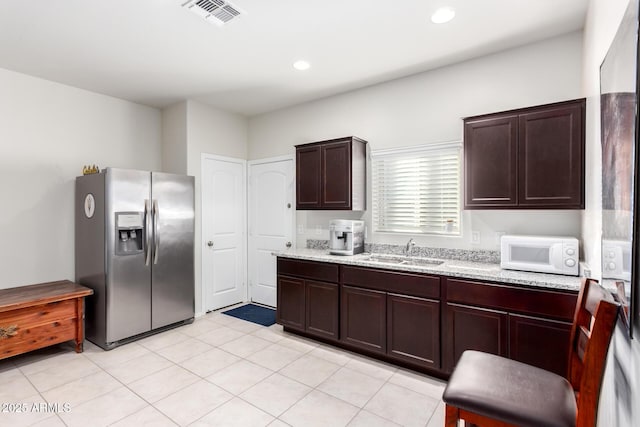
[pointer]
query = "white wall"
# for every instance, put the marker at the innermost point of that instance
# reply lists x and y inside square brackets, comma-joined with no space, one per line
[620,398]
[428,107]
[210,131]
[48,132]
[174,138]
[600,28]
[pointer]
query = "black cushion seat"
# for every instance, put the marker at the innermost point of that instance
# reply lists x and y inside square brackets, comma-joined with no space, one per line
[509,391]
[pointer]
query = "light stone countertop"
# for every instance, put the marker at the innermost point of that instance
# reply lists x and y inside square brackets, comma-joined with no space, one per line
[450,268]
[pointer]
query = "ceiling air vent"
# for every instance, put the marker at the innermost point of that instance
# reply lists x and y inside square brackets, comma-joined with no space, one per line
[217,11]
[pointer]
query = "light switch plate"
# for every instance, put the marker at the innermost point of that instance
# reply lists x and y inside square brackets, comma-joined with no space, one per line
[475,237]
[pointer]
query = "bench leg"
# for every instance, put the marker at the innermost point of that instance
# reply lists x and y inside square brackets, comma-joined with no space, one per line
[79,324]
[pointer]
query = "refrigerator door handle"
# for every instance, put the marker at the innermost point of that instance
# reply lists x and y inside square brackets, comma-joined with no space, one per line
[147,227]
[156,237]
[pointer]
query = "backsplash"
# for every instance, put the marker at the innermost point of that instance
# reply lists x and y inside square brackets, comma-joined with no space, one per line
[480,255]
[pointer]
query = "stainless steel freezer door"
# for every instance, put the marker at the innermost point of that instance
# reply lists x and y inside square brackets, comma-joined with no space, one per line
[172,295]
[128,278]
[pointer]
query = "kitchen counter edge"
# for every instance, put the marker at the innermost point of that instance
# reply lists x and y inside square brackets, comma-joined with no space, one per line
[449,268]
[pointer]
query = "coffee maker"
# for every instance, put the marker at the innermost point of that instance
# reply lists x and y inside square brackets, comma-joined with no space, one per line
[346,237]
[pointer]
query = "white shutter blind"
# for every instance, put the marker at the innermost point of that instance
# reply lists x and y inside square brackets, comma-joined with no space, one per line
[417,189]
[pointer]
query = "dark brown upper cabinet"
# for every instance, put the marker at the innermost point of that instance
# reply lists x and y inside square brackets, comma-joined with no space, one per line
[531,158]
[331,175]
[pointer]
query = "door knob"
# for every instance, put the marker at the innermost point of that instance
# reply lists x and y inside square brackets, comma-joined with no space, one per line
[289,205]
[210,243]
[288,244]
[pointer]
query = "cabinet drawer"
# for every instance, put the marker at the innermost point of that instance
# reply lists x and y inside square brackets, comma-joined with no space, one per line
[39,314]
[392,281]
[38,326]
[29,337]
[558,305]
[309,269]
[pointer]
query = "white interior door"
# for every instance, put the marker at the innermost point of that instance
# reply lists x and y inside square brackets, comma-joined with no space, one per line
[270,223]
[223,231]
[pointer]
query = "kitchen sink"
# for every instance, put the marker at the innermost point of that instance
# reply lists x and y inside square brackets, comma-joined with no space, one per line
[423,261]
[402,260]
[390,259]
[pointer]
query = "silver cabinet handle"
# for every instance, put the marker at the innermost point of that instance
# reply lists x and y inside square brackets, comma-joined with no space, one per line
[288,244]
[147,233]
[156,237]
[210,243]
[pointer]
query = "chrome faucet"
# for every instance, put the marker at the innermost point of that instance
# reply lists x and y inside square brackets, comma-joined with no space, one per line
[409,248]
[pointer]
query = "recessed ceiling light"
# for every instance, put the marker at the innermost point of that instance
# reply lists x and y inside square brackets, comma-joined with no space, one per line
[442,15]
[301,65]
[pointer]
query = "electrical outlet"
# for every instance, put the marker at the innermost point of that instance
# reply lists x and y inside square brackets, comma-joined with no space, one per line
[300,228]
[318,230]
[475,237]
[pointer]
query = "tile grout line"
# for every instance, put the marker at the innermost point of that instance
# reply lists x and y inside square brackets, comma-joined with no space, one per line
[40,393]
[196,374]
[125,386]
[251,333]
[269,376]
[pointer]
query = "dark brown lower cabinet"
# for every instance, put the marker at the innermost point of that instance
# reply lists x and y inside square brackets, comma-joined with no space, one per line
[424,321]
[473,328]
[291,303]
[524,324]
[532,340]
[413,330]
[322,309]
[308,306]
[363,318]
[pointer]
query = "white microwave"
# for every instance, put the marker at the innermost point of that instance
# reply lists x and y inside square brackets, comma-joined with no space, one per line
[616,259]
[559,255]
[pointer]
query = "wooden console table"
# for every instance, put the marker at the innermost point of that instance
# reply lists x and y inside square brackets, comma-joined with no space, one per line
[37,316]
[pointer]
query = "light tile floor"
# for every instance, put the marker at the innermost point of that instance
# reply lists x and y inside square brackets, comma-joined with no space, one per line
[218,371]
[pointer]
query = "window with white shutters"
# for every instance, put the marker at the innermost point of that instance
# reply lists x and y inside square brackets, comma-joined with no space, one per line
[417,189]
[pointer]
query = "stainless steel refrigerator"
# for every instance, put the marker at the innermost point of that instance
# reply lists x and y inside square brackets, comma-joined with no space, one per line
[134,245]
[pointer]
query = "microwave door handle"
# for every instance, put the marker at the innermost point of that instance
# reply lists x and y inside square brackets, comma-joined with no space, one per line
[555,255]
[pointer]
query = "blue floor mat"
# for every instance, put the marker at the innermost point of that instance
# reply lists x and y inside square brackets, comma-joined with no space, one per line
[254,313]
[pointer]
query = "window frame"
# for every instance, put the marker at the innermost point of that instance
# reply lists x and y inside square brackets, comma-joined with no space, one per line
[419,151]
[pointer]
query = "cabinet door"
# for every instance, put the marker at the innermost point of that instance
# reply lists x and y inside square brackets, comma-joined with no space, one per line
[336,175]
[490,159]
[291,302]
[308,180]
[472,328]
[413,330]
[322,309]
[540,342]
[551,157]
[363,318]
